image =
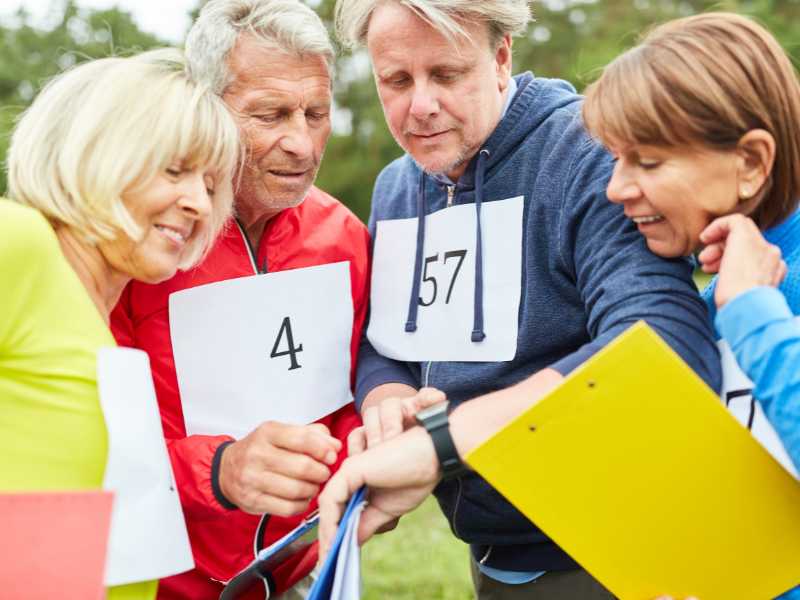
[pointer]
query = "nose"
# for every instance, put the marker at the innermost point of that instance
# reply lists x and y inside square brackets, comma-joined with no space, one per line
[195,200]
[622,187]
[424,103]
[297,137]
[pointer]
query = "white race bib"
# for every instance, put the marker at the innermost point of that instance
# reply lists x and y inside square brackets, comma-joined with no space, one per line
[447,288]
[267,347]
[148,538]
[737,394]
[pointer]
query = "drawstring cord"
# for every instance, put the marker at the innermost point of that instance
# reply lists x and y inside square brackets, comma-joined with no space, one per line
[478,334]
[413,302]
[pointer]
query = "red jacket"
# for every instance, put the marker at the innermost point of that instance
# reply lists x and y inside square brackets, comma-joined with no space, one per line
[319,231]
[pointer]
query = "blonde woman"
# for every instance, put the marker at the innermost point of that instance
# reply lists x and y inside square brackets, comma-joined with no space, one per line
[119,170]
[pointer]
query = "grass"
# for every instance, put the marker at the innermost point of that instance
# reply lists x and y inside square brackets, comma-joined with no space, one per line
[420,559]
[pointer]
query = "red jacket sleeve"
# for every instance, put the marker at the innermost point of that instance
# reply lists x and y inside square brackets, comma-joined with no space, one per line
[192,457]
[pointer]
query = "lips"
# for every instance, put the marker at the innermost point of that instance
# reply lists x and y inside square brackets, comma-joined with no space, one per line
[175,233]
[647,219]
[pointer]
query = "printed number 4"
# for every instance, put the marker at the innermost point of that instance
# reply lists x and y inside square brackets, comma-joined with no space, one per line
[286,327]
[461,254]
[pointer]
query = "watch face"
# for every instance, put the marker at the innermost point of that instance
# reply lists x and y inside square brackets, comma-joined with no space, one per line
[436,409]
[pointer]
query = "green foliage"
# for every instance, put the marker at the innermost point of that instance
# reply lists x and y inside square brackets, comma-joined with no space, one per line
[31,56]
[419,559]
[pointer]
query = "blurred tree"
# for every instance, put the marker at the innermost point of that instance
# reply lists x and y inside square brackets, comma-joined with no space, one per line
[571,39]
[30,56]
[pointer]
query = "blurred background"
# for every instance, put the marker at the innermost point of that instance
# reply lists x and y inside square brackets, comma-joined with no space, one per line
[571,39]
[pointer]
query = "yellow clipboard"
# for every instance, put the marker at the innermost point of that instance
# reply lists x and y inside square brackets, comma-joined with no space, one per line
[637,470]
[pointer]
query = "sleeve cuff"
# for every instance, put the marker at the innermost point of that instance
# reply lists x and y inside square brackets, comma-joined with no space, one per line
[569,363]
[750,312]
[390,374]
[215,487]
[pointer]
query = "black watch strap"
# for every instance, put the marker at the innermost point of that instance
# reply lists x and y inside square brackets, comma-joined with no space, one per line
[438,427]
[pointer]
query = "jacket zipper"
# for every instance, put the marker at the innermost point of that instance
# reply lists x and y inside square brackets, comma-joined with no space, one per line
[451,194]
[251,253]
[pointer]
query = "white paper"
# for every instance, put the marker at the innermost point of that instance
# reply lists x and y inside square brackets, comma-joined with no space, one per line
[444,328]
[148,538]
[347,581]
[745,408]
[234,357]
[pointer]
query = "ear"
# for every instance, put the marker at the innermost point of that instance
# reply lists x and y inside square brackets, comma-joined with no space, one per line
[502,59]
[756,156]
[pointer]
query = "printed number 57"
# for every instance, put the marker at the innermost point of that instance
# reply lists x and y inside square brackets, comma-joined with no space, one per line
[426,278]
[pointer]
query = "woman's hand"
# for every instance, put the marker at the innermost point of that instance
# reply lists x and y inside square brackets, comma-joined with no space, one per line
[744,260]
[400,473]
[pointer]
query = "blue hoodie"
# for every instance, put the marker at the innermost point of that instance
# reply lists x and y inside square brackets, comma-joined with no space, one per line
[587,275]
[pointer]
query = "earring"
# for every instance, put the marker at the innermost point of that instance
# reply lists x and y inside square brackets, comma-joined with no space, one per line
[745,194]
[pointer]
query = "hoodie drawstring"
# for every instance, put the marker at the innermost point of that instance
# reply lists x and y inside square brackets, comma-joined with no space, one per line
[413,302]
[478,334]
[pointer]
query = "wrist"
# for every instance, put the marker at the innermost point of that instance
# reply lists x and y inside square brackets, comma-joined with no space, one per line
[435,421]
[221,495]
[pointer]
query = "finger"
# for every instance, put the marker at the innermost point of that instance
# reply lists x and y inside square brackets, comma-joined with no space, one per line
[711,253]
[294,465]
[372,426]
[780,274]
[386,527]
[371,521]
[356,441]
[391,417]
[313,440]
[428,396]
[332,501]
[720,228]
[274,505]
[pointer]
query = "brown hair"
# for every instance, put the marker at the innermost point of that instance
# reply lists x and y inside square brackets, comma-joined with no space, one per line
[705,80]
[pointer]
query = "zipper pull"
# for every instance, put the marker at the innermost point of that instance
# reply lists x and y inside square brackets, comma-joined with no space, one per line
[451,192]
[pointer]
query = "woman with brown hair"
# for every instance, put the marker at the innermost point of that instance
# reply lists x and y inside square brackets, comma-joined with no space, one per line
[702,117]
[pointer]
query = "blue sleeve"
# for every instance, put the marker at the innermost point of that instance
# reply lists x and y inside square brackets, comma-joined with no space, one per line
[374,370]
[765,339]
[620,281]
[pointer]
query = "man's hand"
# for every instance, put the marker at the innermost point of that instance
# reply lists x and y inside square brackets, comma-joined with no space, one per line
[277,468]
[389,418]
[400,473]
[737,251]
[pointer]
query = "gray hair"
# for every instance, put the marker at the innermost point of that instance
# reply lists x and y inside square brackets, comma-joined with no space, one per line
[287,25]
[502,17]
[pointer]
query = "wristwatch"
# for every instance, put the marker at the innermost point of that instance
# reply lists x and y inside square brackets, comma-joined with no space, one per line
[436,422]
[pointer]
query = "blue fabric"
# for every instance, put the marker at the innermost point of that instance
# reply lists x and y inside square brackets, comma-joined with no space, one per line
[413,303]
[587,275]
[786,236]
[760,328]
[321,588]
[510,577]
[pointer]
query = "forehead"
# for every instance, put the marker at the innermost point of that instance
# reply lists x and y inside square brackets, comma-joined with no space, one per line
[396,34]
[262,74]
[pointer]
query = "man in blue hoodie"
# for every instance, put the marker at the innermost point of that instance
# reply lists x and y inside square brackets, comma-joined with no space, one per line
[498,264]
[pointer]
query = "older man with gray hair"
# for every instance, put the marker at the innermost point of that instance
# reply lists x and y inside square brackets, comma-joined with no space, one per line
[253,352]
[498,268]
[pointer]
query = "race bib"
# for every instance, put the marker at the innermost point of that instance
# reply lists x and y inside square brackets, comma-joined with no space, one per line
[148,538]
[447,287]
[268,347]
[737,394]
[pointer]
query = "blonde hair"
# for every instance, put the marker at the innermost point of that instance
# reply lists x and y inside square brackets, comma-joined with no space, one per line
[502,17]
[705,80]
[108,127]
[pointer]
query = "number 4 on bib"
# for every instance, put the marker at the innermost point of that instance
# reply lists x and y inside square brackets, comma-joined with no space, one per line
[286,327]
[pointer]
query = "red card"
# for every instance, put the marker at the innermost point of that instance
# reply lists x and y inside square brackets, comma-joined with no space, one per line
[53,544]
